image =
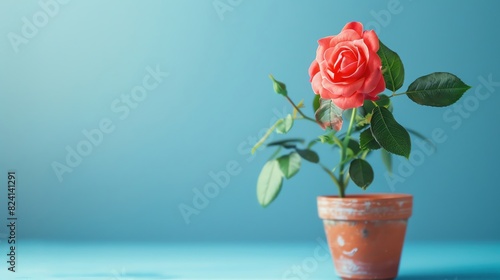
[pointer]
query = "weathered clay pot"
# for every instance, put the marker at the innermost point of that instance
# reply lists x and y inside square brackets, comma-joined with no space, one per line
[366,233]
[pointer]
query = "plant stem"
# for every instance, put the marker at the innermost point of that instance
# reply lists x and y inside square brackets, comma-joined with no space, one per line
[343,152]
[349,129]
[298,110]
[335,180]
[397,94]
[365,153]
[346,181]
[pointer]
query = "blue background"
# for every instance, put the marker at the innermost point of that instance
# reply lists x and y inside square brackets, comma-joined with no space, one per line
[215,103]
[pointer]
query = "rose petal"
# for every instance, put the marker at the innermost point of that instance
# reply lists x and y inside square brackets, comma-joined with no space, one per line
[362,49]
[342,89]
[346,35]
[323,44]
[323,69]
[330,56]
[371,40]
[373,74]
[325,94]
[316,83]
[340,53]
[346,103]
[345,60]
[348,67]
[356,26]
[351,51]
[378,89]
[313,69]
[343,53]
[356,75]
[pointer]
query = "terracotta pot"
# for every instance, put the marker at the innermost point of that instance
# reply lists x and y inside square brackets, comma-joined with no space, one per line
[366,233]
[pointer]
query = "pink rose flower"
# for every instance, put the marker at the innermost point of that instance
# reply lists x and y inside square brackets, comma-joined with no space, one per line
[347,69]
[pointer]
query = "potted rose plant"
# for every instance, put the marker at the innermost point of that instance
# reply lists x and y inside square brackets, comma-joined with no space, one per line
[349,74]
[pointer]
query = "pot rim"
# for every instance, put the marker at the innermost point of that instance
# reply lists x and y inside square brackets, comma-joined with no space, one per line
[375,196]
[384,206]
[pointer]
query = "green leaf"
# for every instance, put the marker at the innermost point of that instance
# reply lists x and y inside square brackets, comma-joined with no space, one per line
[289,164]
[289,146]
[278,86]
[329,115]
[316,102]
[361,173]
[308,155]
[269,182]
[383,101]
[438,89]
[390,134]
[286,142]
[367,141]
[387,160]
[353,145]
[285,126]
[392,68]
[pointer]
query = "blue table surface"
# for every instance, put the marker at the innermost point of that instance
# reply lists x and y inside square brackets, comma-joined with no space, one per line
[121,261]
